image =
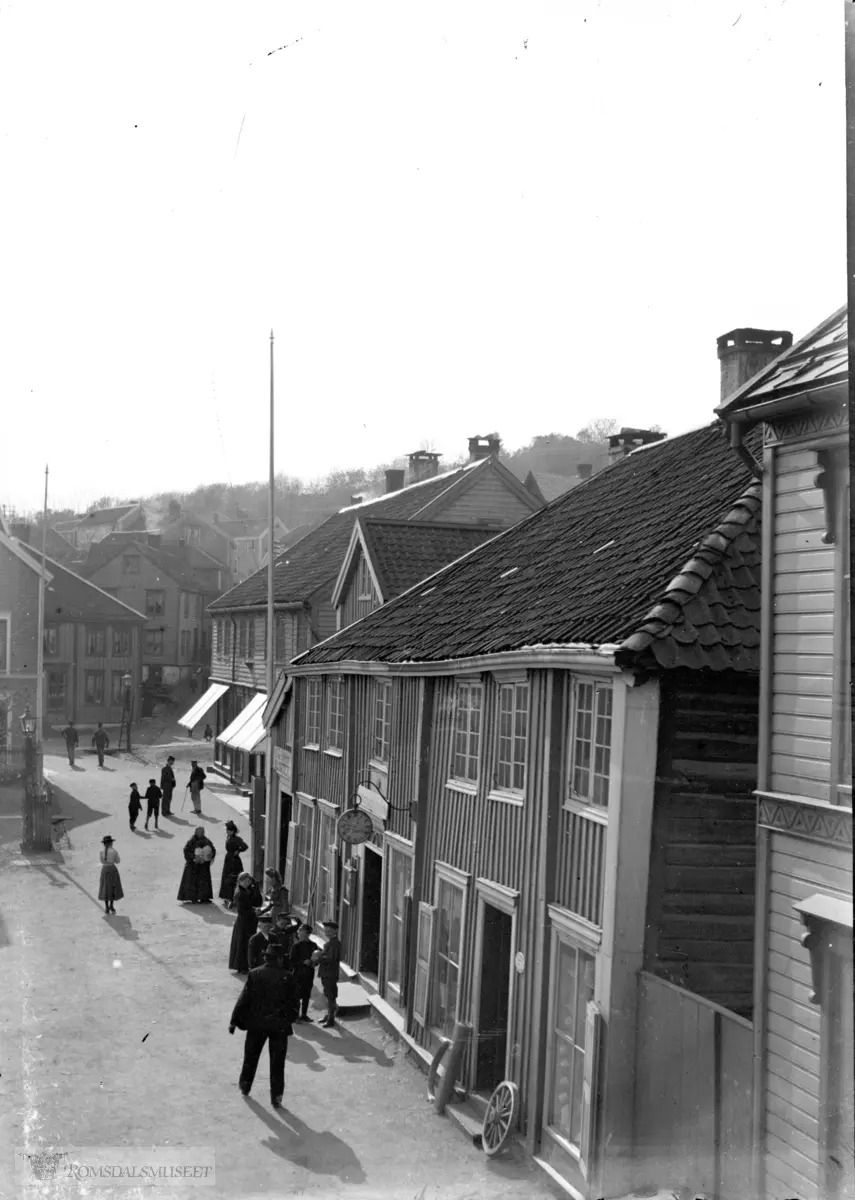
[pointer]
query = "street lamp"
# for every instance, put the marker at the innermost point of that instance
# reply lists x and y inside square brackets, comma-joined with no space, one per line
[36,826]
[28,723]
[127,681]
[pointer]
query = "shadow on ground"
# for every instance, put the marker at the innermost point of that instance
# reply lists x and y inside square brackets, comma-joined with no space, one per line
[318,1151]
[75,811]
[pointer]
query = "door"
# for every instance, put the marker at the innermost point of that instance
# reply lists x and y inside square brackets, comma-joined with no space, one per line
[372,888]
[284,824]
[494,999]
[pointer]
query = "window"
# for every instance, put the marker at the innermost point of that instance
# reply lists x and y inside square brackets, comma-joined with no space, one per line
[51,644]
[130,564]
[512,738]
[192,535]
[572,988]
[56,691]
[467,731]
[302,869]
[281,648]
[4,645]
[154,641]
[186,597]
[325,894]
[364,588]
[250,639]
[154,603]
[313,712]
[592,739]
[94,683]
[185,643]
[228,639]
[242,638]
[399,876]
[382,720]
[335,715]
[117,688]
[96,641]
[203,641]
[219,634]
[121,641]
[446,962]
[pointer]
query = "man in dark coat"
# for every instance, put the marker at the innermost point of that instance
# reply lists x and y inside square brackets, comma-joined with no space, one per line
[327,961]
[196,783]
[152,796]
[266,1009]
[100,741]
[301,965]
[167,786]
[71,740]
[259,943]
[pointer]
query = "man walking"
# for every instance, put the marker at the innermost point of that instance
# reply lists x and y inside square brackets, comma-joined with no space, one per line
[100,741]
[266,1008]
[71,740]
[327,961]
[152,796]
[197,782]
[167,786]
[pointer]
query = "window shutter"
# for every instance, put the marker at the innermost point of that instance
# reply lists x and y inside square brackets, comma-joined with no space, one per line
[332,882]
[593,1042]
[424,959]
[290,855]
[406,918]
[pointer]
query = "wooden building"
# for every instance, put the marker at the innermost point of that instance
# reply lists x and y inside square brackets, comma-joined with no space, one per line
[803,1048]
[555,739]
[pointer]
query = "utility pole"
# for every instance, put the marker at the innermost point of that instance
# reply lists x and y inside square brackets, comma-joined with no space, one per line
[36,832]
[270,852]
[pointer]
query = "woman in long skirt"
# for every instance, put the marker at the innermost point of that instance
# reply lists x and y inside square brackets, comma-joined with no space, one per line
[196,885]
[247,899]
[232,865]
[276,899]
[110,887]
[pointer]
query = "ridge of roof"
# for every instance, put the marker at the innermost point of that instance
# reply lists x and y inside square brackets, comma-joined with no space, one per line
[60,570]
[448,475]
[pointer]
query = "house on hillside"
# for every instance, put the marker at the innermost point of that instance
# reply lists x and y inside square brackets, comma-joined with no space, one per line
[803,1018]
[483,495]
[248,537]
[95,525]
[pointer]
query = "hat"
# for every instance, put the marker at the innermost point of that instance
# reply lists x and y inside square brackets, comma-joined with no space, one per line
[266,918]
[194,762]
[330,924]
[271,953]
[230,825]
[133,785]
[171,758]
[106,838]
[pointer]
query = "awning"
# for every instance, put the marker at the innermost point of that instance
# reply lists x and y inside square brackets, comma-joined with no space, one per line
[280,691]
[247,729]
[195,714]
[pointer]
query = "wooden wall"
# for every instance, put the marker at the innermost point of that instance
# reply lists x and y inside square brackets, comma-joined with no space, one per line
[352,608]
[490,499]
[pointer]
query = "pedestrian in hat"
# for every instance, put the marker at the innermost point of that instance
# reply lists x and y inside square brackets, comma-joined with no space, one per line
[167,786]
[152,797]
[110,886]
[327,961]
[100,741]
[266,1009]
[209,733]
[71,740]
[247,899]
[232,864]
[196,783]
[134,806]
[199,853]
[259,942]
[283,930]
[304,973]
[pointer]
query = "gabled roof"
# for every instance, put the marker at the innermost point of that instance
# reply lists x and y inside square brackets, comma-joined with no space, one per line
[674,524]
[19,549]
[819,361]
[107,516]
[69,596]
[315,560]
[548,487]
[185,575]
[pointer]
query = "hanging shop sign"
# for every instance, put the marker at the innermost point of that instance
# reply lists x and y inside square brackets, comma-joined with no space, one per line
[355,826]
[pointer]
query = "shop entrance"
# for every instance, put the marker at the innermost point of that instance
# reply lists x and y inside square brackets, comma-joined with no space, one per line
[494,998]
[372,891]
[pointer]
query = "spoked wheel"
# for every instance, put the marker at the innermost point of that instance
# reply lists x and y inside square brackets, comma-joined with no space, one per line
[500,1117]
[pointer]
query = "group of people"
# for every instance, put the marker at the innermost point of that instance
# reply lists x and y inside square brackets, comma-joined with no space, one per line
[100,741]
[159,798]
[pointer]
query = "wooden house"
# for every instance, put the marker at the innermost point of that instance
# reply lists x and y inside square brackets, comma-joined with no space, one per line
[555,740]
[803,1048]
[96,525]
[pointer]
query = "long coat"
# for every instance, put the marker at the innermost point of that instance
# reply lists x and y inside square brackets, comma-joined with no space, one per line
[246,902]
[232,865]
[268,1001]
[196,880]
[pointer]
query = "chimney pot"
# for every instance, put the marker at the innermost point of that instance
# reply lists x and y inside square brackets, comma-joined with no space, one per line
[355,499]
[744,352]
[583,470]
[394,480]
[484,447]
[623,443]
[424,464]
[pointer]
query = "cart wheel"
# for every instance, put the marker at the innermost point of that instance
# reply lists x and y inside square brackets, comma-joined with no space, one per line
[444,1043]
[500,1117]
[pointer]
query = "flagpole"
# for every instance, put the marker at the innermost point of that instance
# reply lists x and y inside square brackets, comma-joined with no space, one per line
[40,647]
[270,852]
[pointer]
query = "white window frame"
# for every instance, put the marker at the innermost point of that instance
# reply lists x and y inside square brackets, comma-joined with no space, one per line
[326,860]
[394,844]
[314,712]
[469,687]
[454,877]
[334,739]
[510,794]
[305,849]
[574,799]
[506,900]
[382,717]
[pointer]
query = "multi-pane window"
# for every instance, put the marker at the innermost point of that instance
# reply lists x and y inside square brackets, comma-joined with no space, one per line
[364,588]
[467,731]
[241,649]
[280,637]
[56,691]
[51,641]
[302,868]
[155,601]
[96,641]
[121,641]
[326,890]
[313,712]
[94,687]
[335,715]
[185,643]
[117,688]
[512,739]
[592,739]
[130,564]
[154,641]
[399,875]
[573,987]
[192,534]
[186,599]
[446,966]
[4,644]
[382,720]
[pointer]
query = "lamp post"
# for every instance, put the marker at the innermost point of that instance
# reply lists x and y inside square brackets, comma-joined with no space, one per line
[127,681]
[36,823]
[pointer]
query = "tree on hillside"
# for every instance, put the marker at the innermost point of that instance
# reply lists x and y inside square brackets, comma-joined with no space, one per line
[598,430]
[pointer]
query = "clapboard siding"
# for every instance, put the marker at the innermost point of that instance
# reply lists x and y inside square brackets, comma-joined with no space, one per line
[323,618]
[320,774]
[488,500]
[701,892]
[405,754]
[352,608]
[580,868]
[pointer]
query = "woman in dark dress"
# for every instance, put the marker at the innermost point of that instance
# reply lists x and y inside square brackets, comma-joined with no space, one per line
[196,886]
[247,899]
[232,865]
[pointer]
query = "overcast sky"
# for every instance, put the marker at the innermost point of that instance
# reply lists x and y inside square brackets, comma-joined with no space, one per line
[456,217]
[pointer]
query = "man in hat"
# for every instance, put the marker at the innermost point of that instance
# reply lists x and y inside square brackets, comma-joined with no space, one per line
[152,797]
[327,961]
[71,740]
[100,741]
[167,786]
[197,782]
[259,942]
[266,1008]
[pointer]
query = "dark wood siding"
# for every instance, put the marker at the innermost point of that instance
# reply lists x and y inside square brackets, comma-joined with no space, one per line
[701,903]
[404,756]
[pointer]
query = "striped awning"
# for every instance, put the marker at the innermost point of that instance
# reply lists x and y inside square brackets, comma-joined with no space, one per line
[203,705]
[247,729]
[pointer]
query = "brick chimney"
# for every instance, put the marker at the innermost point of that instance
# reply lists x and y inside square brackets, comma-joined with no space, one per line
[484,447]
[394,480]
[424,464]
[583,470]
[623,443]
[744,352]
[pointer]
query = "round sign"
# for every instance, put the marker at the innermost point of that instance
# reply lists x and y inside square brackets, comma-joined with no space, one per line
[355,826]
[519,962]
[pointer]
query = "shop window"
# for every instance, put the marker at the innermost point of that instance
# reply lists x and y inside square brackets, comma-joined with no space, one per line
[572,989]
[398,882]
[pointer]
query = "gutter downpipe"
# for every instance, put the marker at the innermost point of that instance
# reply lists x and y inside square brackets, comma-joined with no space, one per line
[737,432]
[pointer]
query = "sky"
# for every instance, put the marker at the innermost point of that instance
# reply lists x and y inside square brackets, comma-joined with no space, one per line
[455,217]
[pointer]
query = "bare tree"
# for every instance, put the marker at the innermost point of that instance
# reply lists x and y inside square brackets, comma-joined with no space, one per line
[598,430]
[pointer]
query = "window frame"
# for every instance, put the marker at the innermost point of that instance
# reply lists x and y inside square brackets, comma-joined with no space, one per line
[305,851]
[6,644]
[121,635]
[130,564]
[499,791]
[51,641]
[94,676]
[155,611]
[573,798]
[448,876]
[117,693]
[395,931]
[456,777]
[154,633]
[382,697]
[314,713]
[99,633]
[334,728]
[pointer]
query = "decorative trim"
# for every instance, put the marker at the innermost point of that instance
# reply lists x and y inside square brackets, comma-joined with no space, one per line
[497,894]
[807,424]
[806,818]
[444,870]
[462,787]
[572,925]
[821,915]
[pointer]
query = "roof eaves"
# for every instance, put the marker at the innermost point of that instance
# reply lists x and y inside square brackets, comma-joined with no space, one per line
[346,565]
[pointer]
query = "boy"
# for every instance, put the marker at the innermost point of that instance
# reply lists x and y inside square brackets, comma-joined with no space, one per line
[152,796]
[259,943]
[134,806]
[301,965]
[328,961]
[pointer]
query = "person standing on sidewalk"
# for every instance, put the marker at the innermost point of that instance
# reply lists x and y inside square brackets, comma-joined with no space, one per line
[197,782]
[134,806]
[152,796]
[167,786]
[259,942]
[247,900]
[71,740]
[304,973]
[110,886]
[328,961]
[265,1009]
[232,864]
[100,741]
[195,885]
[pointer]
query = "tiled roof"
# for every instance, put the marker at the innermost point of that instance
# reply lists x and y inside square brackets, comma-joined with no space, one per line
[819,359]
[179,571]
[105,516]
[550,486]
[405,552]
[590,569]
[71,597]
[316,559]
